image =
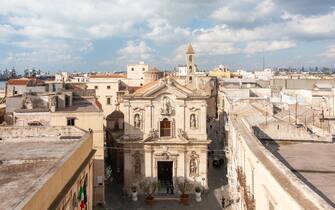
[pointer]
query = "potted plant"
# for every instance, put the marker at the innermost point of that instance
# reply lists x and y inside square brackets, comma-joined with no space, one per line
[183,187]
[149,187]
[197,193]
[133,189]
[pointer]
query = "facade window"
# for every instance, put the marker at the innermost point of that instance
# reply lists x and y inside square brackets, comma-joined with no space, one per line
[108,101]
[132,69]
[141,84]
[71,121]
[108,87]
[143,69]
[67,101]
[96,87]
[165,127]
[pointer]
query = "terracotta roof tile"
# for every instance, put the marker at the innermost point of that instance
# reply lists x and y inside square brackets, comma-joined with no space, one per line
[146,87]
[26,81]
[23,81]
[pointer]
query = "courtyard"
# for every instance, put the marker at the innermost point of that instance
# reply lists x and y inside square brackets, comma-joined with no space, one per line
[117,200]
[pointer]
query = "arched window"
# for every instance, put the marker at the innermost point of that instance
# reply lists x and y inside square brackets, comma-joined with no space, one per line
[165,127]
[190,58]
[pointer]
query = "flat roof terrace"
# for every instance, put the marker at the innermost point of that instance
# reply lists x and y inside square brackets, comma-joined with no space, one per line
[29,156]
[313,163]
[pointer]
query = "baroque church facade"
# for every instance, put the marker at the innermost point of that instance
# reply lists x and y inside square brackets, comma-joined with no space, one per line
[165,131]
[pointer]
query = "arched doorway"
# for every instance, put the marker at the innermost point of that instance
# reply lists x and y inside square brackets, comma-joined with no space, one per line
[165,127]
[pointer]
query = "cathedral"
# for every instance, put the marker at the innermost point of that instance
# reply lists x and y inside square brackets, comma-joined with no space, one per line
[165,128]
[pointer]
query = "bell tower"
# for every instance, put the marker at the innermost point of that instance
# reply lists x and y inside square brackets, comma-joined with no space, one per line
[190,56]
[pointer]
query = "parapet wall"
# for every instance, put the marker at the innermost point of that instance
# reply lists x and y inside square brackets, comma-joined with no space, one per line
[270,180]
[15,132]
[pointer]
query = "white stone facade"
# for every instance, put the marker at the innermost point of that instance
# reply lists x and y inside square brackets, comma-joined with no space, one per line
[165,122]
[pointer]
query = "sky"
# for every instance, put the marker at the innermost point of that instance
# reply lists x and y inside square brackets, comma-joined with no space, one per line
[106,35]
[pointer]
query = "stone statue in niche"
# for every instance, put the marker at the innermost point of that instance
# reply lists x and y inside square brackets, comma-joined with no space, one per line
[166,109]
[193,121]
[137,121]
[27,103]
[137,163]
[194,164]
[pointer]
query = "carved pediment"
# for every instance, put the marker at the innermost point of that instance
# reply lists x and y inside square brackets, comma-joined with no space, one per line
[168,87]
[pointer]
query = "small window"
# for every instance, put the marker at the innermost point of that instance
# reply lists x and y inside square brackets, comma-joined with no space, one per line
[141,84]
[132,69]
[108,101]
[143,69]
[96,87]
[141,77]
[71,121]
[108,87]
[15,92]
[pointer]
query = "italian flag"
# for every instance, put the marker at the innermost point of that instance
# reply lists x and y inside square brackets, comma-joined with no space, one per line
[82,196]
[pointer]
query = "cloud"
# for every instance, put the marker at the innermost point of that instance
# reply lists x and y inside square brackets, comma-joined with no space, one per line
[306,7]
[136,51]
[161,31]
[70,29]
[245,12]
[37,52]
[263,46]
[330,53]
[5,32]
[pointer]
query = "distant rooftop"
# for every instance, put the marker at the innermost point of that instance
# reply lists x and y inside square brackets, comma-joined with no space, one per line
[26,82]
[29,156]
[82,105]
[121,75]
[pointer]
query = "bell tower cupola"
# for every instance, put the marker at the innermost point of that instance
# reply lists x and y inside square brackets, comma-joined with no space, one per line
[190,57]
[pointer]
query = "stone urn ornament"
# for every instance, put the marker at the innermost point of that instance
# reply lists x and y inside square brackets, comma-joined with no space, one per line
[133,193]
[198,194]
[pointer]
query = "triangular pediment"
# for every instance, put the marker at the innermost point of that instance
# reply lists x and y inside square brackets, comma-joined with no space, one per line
[169,88]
